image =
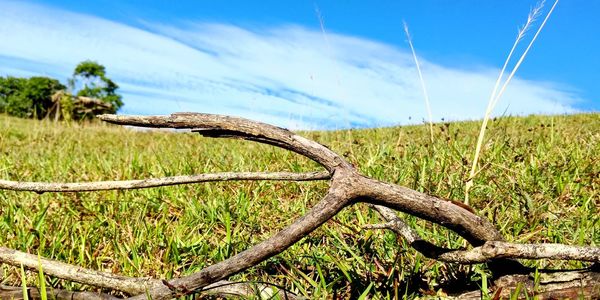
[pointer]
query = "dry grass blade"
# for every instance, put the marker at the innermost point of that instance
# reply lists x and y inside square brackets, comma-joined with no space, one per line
[495,95]
[421,79]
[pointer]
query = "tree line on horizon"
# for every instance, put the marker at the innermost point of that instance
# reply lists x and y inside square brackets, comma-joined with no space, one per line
[87,93]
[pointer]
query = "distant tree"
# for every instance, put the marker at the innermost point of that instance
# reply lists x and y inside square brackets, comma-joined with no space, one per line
[9,87]
[28,97]
[40,90]
[89,80]
[92,93]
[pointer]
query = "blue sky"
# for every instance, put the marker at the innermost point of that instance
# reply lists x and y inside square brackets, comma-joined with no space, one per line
[272,62]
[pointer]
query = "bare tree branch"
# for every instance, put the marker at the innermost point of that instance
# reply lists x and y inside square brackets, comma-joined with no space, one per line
[496,249]
[225,288]
[221,288]
[233,127]
[489,251]
[396,224]
[473,228]
[582,284]
[66,271]
[128,285]
[347,187]
[33,293]
[43,187]
[339,196]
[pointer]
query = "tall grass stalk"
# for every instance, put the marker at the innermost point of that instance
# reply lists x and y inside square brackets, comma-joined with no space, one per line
[24,283]
[338,81]
[423,87]
[324,33]
[42,280]
[495,95]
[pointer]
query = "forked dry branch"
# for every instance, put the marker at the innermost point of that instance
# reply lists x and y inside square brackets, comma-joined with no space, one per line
[347,187]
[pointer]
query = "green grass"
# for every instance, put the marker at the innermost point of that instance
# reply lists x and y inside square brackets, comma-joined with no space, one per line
[539,182]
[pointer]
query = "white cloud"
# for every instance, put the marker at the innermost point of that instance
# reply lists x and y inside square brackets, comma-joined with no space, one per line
[288,75]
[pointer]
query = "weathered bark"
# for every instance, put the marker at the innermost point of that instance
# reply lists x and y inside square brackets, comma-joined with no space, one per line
[221,288]
[489,251]
[583,284]
[232,127]
[44,187]
[33,293]
[110,281]
[473,228]
[78,274]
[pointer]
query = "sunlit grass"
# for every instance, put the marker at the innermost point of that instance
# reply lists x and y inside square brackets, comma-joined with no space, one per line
[539,182]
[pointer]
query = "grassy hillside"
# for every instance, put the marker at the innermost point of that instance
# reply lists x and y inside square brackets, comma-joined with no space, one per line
[540,182]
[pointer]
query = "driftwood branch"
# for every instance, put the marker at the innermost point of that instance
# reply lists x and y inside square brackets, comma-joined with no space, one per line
[128,285]
[110,281]
[33,293]
[225,126]
[43,187]
[489,251]
[495,249]
[221,288]
[583,284]
[347,187]
[332,203]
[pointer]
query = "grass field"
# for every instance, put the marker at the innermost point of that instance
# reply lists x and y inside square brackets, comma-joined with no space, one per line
[539,182]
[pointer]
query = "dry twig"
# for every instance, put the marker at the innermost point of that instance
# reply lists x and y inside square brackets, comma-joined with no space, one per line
[44,187]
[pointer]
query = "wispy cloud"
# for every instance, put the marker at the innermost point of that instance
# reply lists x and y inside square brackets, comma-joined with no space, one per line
[287,75]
